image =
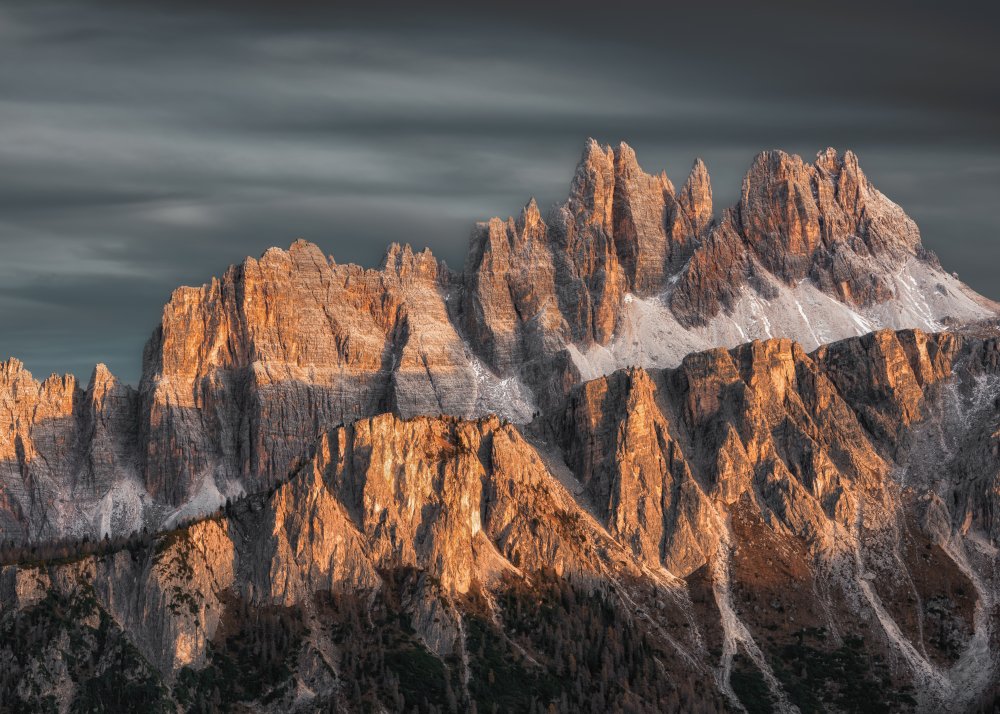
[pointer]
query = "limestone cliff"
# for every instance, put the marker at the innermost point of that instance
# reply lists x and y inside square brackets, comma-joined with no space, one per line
[245,372]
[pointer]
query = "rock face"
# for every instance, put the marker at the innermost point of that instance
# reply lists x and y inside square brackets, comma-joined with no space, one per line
[806,530]
[65,447]
[243,373]
[804,438]
[822,221]
[624,458]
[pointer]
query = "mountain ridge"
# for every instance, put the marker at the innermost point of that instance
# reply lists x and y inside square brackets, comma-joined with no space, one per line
[245,370]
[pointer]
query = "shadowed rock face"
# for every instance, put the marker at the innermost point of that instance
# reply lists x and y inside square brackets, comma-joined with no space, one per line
[757,514]
[243,373]
[802,437]
[62,447]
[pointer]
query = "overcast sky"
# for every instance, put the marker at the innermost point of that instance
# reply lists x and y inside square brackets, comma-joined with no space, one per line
[146,149]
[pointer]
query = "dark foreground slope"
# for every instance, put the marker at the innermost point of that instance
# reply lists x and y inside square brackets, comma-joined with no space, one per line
[758,528]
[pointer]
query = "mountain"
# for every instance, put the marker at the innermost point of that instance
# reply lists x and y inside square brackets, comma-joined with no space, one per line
[759,527]
[243,373]
[633,457]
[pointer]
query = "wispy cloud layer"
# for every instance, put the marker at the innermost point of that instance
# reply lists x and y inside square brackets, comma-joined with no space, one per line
[147,148]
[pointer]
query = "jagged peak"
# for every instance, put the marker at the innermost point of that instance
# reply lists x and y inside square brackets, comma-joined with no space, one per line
[849,184]
[272,253]
[62,382]
[624,149]
[530,215]
[771,165]
[829,155]
[301,244]
[14,369]
[397,252]
[780,164]
[698,183]
[593,182]
[300,251]
[12,365]
[668,185]
[699,171]
[627,168]
[101,378]
[592,147]
[832,162]
[696,197]
[625,159]
[401,258]
[595,156]
[698,180]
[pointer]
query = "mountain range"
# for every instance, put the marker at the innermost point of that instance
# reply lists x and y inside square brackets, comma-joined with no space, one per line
[635,456]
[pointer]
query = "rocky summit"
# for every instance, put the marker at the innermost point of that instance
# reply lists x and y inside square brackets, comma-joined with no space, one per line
[637,455]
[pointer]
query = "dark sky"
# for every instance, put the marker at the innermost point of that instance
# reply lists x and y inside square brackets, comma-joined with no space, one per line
[142,149]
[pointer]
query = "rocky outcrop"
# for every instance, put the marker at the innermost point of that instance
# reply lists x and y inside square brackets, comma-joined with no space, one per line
[619,443]
[801,434]
[763,421]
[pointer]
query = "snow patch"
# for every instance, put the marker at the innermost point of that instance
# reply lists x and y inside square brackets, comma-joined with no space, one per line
[507,397]
[648,334]
[121,509]
[207,499]
[924,296]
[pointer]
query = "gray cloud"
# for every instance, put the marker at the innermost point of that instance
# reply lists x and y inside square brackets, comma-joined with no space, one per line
[147,148]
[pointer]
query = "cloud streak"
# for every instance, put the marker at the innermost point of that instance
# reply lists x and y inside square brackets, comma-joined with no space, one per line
[144,149]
